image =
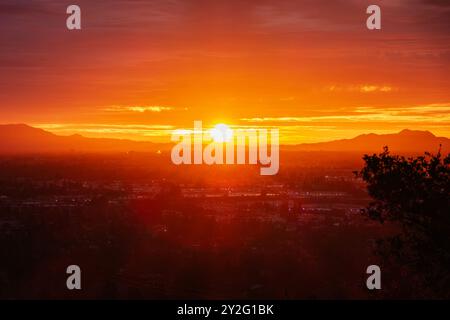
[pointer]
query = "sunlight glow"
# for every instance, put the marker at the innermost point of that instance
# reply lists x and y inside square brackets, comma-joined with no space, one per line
[221,133]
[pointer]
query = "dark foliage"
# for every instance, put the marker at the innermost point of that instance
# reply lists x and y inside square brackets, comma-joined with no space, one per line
[415,194]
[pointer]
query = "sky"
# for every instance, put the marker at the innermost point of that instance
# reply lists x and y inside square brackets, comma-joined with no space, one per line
[140,69]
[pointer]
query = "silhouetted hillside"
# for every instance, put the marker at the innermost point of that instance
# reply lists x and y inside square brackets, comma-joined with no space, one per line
[404,141]
[21,138]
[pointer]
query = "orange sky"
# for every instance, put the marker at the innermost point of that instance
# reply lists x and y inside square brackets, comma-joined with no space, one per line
[139,69]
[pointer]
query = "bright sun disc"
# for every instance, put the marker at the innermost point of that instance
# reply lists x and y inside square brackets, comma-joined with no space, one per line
[221,133]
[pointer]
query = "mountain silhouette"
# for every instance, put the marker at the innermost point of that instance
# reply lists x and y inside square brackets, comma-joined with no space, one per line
[402,142]
[21,138]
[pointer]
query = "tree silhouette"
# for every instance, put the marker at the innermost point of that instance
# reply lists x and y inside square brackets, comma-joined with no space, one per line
[415,194]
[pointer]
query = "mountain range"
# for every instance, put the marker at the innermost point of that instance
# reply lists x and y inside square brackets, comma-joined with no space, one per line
[402,142]
[21,138]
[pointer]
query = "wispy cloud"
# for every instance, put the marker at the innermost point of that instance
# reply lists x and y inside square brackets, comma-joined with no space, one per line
[438,113]
[434,110]
[140,109]
[363,88]
[132,131]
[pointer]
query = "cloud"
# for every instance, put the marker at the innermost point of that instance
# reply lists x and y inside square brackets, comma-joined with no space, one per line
[133,131]
[439,3]
[433,110]
[364,88]
[22,8]
[372,88]
[435,114]
[140,109]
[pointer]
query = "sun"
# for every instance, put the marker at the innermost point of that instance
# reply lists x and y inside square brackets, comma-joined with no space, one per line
[221,133]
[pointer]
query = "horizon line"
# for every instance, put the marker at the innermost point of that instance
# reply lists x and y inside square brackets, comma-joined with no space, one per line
[170,142]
